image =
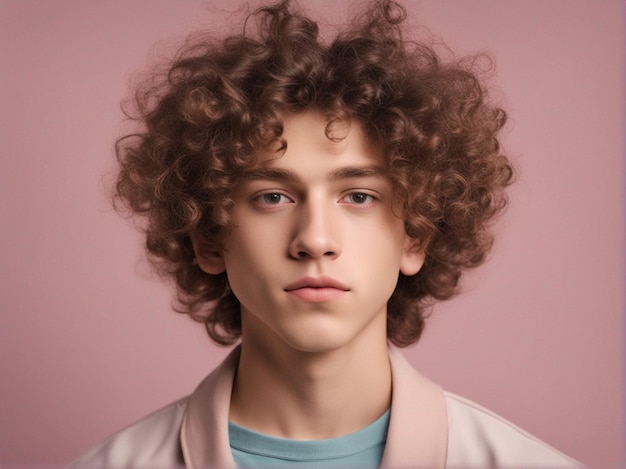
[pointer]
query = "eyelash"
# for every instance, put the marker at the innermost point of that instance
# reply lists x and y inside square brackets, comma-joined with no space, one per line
[276,199]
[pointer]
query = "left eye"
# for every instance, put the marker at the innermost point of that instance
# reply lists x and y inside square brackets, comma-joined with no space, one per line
[359,198]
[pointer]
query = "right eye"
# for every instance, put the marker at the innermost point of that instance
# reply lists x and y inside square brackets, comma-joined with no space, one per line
[272,198]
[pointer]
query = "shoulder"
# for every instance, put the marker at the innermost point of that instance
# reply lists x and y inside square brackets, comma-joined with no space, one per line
[152,441]
[478,437]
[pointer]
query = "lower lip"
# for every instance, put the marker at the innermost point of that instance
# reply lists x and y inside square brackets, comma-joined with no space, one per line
[316,295]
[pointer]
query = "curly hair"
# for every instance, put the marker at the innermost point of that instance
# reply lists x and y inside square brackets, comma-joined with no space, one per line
[221,100]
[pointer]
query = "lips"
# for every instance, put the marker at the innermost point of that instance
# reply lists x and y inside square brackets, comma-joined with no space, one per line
[316,289]
[317,282]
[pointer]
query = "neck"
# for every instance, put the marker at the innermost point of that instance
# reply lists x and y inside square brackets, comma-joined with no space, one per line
[285,392]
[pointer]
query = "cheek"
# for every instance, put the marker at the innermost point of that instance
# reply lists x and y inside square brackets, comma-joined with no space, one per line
[250,259]
[387,242]
[380,259]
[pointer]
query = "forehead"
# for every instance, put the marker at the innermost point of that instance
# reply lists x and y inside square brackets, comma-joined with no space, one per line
[312,143]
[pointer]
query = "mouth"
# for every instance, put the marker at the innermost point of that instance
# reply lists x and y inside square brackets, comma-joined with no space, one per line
[316,289]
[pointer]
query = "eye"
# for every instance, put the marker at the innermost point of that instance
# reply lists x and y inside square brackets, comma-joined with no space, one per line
[272,198]
[359,198]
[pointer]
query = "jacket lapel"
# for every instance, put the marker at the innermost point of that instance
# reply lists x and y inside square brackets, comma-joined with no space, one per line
[418,428]
[204,431]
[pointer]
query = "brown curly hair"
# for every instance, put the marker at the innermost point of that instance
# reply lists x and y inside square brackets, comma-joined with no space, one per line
[221,101]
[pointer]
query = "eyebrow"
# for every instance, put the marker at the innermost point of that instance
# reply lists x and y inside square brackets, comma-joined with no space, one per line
[285,175]
[358,171]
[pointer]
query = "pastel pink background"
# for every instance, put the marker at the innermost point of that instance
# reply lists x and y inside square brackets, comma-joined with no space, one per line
[88,341]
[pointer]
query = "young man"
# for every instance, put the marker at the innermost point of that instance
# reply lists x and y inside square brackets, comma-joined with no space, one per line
[311,199]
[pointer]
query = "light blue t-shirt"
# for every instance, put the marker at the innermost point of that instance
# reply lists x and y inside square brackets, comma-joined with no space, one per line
[361,449]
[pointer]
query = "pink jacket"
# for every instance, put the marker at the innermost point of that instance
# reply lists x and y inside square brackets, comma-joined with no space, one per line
[427,428]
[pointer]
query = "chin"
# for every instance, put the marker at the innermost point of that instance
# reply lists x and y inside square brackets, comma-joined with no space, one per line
[316,347]
[321,339]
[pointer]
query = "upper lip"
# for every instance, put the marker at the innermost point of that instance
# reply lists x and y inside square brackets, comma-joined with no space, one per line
[317,282]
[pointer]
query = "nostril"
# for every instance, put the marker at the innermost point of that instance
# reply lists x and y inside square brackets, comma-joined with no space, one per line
[305,254]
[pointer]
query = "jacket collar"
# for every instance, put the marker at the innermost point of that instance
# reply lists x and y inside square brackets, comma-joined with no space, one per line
[417,435]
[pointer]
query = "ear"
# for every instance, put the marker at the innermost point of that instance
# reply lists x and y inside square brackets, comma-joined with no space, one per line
[211,262]
[412,257]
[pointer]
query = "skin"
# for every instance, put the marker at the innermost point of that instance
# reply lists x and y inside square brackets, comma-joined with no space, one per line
[313,260]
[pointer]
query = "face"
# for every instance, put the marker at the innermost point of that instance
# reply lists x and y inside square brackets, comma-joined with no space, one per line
[316,249]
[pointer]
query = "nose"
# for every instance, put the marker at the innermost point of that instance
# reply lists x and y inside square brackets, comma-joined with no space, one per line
[315,234]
